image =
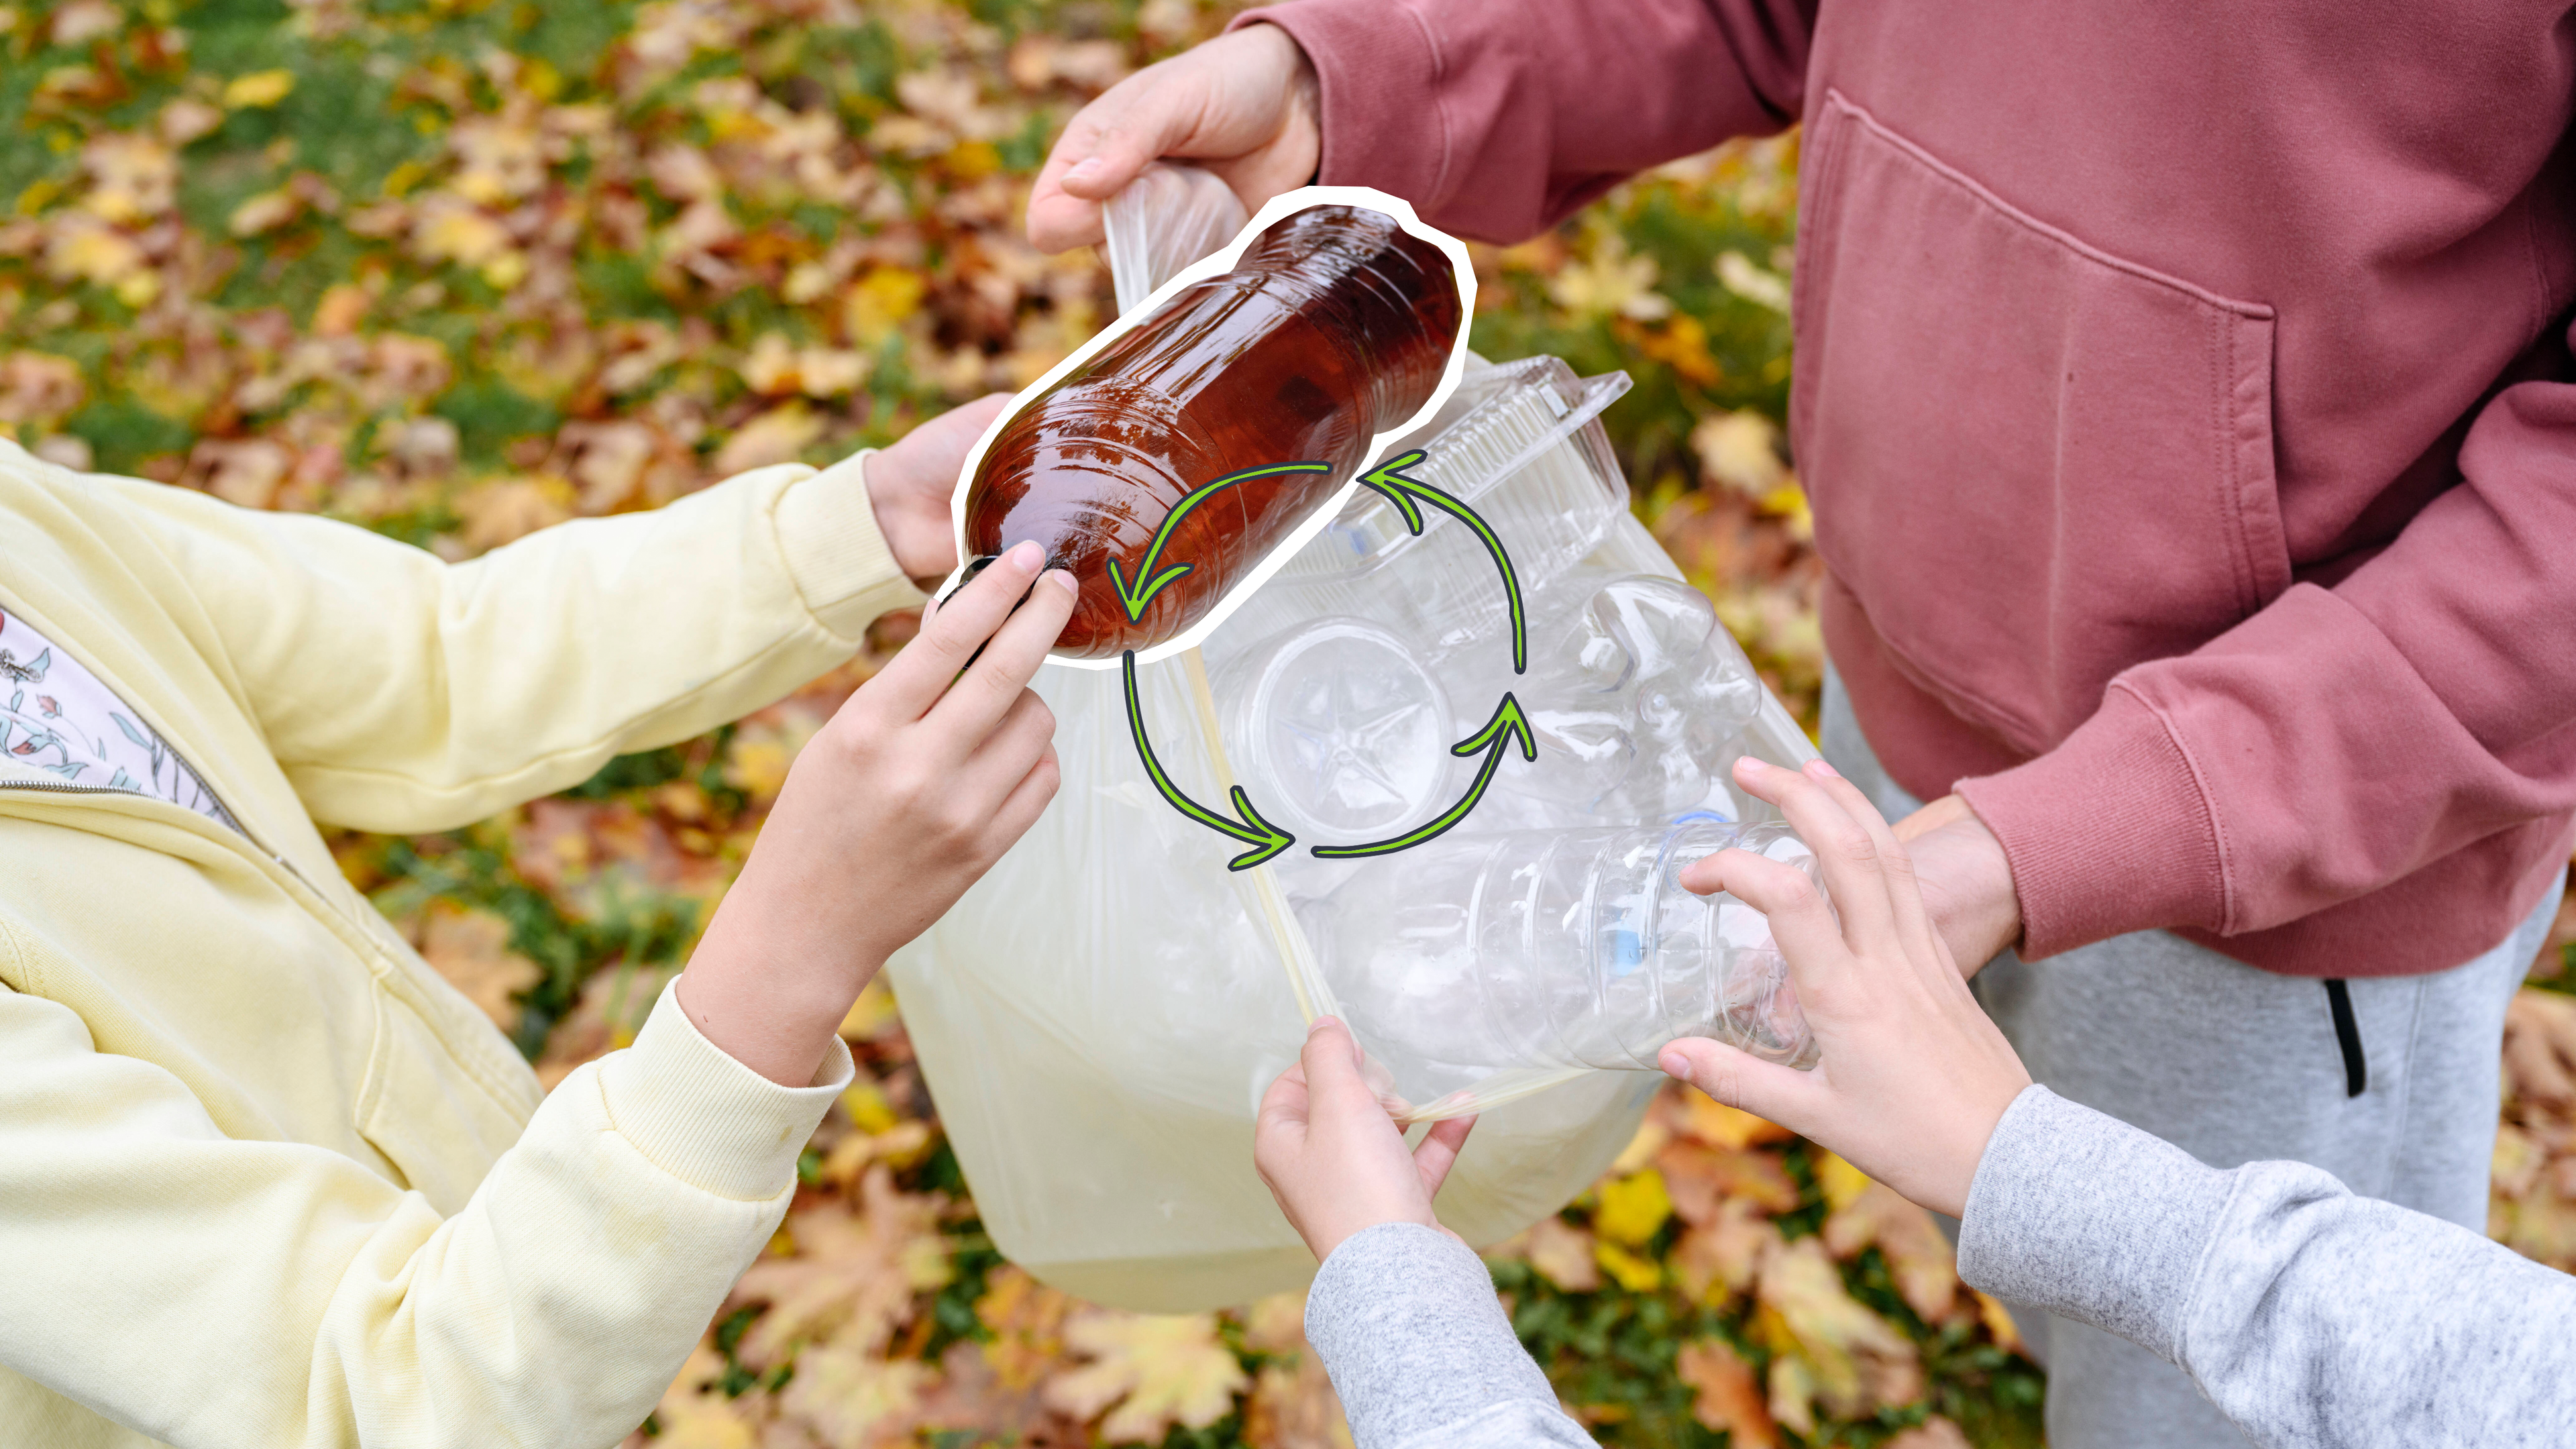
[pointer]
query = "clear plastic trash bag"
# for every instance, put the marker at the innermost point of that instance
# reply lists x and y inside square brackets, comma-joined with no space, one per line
[1099,1016]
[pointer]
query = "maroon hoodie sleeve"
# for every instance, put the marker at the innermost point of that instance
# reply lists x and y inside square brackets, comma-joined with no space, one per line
[1498,118]
[2339,739]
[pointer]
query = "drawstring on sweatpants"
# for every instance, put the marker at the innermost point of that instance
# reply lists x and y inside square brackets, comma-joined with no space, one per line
[2356,1070]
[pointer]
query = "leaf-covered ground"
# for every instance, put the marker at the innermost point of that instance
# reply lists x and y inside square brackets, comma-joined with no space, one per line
[457,271]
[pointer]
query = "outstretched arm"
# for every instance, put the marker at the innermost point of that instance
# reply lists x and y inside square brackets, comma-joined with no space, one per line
[402,693]
[2308,1315]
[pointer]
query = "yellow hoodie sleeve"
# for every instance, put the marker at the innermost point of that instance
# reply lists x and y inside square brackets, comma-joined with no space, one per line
[552,1309]
[401,693]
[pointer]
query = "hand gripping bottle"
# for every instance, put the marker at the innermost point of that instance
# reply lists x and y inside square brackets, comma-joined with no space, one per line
[1336,323]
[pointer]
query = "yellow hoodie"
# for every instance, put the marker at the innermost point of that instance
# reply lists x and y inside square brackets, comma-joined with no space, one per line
[265,1179]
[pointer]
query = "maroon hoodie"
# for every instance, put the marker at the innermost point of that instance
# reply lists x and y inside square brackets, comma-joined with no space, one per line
[2183,393]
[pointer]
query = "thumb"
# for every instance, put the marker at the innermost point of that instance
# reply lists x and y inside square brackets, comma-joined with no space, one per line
[1117,157]
[1334,1084]
[1794,1099]
[1439,1152]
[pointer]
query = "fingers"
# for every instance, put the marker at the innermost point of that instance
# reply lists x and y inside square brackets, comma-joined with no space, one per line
[1027,801]
[1796,1100]
[1904,896]
[1285,1102]
[1439,1152]
[996,679]
[1800,920]
[951,633]
[1104,147]
[1846,851]
[1333,1079]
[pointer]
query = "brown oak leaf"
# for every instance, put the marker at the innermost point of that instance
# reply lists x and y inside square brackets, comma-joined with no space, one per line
[1725,1394]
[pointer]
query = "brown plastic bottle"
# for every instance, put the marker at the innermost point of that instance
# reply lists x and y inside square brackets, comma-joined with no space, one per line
[1335,323]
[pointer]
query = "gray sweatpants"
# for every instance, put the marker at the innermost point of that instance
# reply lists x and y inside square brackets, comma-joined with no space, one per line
[2236,1065]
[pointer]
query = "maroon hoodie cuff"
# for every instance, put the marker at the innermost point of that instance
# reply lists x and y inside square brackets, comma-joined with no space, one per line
[2106,834]
[1376,68]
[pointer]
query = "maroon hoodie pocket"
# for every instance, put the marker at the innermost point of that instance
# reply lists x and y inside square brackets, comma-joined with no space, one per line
[2033,463]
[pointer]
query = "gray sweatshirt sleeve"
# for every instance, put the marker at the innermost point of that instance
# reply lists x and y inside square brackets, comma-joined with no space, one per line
[2309,1316]
[1419,1350]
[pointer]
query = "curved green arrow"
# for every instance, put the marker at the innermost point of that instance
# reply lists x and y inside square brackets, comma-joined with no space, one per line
[1265,838]
[1496,739]
[1149,583]
[1402,491]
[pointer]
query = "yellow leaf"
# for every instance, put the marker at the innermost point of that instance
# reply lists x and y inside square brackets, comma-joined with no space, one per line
[340,310]
[872,1014]
[1788,502]
[1609,281]
[496,513]
[1741,450]
[1998,1321]
[1716,1123]
[88,251]
[1838,1180]
[1633,1208]
[1159,1371]
[449,229]
[695,1413]
[265,212]
[404,177]
[879,302]
[1026,1320]
[1739,274]
[258,89]
[868,1108]
[1632,1271]
[1652,1134]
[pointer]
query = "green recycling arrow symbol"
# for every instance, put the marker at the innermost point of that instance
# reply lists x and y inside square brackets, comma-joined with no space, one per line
[1134,597]
[1265,838]
[1402,491]
[1495,739]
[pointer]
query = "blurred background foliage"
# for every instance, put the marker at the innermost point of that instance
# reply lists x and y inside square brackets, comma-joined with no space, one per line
[458,271]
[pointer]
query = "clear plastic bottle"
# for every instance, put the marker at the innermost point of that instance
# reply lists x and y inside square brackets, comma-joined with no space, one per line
[1335,324]
[1556,948]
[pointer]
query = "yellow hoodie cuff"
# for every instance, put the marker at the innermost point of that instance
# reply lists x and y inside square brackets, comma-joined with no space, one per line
[840,563]
[707,1119]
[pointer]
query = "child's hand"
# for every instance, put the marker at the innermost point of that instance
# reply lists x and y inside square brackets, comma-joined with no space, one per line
[911,483]
[1914,1076]
[897,805]
[1332,1156]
